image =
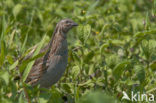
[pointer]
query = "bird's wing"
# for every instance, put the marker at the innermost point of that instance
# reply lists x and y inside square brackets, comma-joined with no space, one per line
[40,66]
[29,56]
[37,70]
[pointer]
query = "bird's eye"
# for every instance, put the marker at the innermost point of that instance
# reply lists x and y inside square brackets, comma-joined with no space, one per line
[68,22]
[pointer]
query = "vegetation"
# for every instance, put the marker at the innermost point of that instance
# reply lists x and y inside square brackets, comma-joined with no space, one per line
[112,50]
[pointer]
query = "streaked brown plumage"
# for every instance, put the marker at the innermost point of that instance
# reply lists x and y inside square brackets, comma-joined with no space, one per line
[48,69]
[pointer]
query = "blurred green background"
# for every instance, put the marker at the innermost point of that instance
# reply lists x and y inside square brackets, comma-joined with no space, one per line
[112,50]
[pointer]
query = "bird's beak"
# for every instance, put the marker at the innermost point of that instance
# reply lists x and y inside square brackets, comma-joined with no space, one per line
[74,24]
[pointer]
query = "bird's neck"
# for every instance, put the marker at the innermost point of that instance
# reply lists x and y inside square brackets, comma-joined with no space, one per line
[58,43]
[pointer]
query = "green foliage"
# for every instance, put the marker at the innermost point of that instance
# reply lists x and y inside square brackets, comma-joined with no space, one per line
[97,97]
[119,69]
[113,49]
[29,66]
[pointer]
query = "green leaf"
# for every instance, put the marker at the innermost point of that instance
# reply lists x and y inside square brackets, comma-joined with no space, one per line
[80,35]
[139,35]
[44,97]
[2,55]
[67,87]
[10,59]
[119,69]
[75,71]
[11,38]
[112,60]
[17,9]
[140,72]
[9,3]
[4,26]
[56,96]
[145,48]
[117,42]
[5,77]
[13,65]
[129,82]
[75,56]
[97,97]
[21,99]
[91,8]
[87,83]
[89,56]
[153,65]
[24,43]
[103,47]
[84,33]
[76,93]
[87,31]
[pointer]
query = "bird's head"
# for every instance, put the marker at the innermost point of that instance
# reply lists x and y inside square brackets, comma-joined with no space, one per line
[65,25]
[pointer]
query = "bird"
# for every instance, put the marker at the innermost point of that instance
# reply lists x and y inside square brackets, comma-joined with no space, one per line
[47,70]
